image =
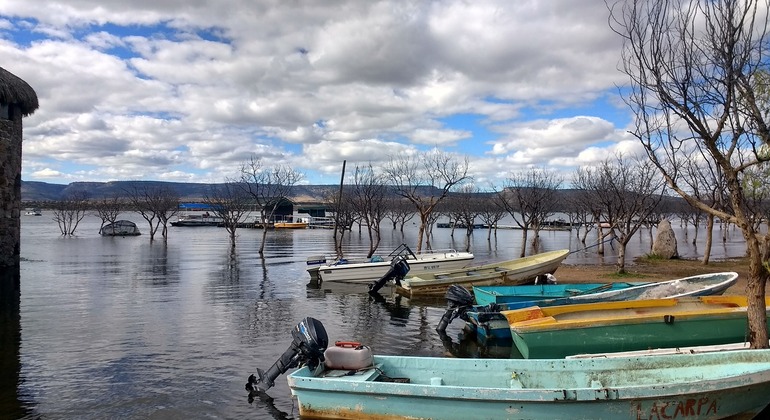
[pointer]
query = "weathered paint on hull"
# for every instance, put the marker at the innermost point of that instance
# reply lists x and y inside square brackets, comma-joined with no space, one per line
[536,292]
[521,271]
[369,272]
[646,326]
[653,387]
[495,326]
[631,337]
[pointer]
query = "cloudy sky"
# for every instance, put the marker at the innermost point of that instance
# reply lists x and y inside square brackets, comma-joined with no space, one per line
[187,90]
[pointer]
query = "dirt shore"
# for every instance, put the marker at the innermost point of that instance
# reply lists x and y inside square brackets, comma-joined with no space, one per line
[643,269]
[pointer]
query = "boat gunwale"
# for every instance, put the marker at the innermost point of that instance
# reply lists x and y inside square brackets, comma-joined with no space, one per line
[755,369]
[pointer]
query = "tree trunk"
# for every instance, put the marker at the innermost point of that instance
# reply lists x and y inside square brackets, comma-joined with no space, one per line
[622,256]
[524,232]
[264,238]
[709,238]
[755,293]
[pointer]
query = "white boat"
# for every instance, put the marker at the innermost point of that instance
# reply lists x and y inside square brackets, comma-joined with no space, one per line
[366,271]
[33,212]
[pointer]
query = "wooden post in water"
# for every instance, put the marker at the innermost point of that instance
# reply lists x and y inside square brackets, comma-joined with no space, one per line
[337,242]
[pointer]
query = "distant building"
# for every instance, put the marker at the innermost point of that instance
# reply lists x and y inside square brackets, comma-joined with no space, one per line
[17,100]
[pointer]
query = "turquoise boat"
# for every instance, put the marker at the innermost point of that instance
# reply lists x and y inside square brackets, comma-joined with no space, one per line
[712,385]
[487,322]
[559,331]
[485,295]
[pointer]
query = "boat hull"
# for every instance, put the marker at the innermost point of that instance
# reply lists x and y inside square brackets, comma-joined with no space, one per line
[628,326]
[518,271]
[368,272]
[495,325]
[535,292]
[702,386]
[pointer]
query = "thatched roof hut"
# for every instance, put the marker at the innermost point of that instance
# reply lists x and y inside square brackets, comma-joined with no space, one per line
[13,90]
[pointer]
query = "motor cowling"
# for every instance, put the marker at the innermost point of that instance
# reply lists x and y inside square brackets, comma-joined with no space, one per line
[459,301]
[399,268]
[309,341]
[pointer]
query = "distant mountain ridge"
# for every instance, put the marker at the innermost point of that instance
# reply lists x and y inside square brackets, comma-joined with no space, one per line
[35,191]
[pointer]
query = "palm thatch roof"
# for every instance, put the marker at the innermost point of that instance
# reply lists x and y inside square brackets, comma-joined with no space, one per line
[13,90]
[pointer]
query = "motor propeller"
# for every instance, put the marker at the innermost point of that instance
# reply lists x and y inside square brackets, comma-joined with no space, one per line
[309,341]
[459,301]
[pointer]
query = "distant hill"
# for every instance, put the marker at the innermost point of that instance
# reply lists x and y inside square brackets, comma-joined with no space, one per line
[33,191]
[40,192]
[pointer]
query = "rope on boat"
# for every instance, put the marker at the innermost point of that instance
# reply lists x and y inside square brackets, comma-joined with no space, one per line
[612,238]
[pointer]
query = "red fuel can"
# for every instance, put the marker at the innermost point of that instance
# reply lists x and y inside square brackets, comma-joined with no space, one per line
[348,355]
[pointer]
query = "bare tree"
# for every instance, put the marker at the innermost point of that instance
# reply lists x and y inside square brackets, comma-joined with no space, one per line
[399,211]
[157,204]
[425,179]
[696,72]
[529,197]
[268,186]
[231,203]
[584,214]
[108,209]
[626,191]
[368,201]
[69,211]
[464,207]
[491,212]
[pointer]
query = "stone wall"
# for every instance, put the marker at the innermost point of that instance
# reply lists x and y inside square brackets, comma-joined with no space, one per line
[10,189]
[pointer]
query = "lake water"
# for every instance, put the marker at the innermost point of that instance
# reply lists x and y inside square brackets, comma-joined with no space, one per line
[127,328]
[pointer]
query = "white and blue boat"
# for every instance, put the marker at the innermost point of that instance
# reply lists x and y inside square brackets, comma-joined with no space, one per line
[488,323]
[712,385]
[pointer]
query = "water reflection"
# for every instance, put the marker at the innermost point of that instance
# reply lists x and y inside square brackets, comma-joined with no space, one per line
[109,327]
[10,341]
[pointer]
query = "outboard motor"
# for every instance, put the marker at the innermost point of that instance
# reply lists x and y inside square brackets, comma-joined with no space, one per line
[549,279]
[398,270]
[309,341]
[459,300]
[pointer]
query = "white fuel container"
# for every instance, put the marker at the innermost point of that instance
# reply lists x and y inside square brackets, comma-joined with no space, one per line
[348,355]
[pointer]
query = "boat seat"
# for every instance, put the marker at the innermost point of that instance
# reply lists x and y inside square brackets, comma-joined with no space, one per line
[365,375]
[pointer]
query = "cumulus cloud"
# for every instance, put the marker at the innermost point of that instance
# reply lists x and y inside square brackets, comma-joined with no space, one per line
[181,90]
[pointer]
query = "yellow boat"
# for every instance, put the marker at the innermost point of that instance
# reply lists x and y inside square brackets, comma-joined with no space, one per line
[519,271]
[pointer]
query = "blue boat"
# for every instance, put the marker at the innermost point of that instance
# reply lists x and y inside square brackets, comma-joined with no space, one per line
[712,385]
[485,295]
[487,321]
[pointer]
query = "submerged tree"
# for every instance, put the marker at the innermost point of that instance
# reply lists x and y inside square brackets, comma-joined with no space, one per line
[368,201]
[268,186]
[529,197]
[696,71]
[156,203]
[425,180]
[108,209]
[231,203]
[625,192]
[69,211]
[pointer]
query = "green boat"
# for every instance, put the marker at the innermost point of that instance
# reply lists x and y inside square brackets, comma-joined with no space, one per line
[711,385]
[560,331]
[488,322]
